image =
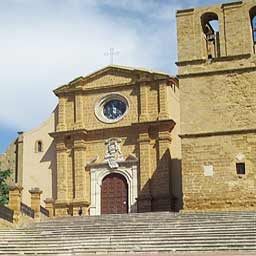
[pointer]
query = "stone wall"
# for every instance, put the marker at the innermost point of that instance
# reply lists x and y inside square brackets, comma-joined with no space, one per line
[234,28]
[217,110]
[39,168]
[218,102]
[224,188]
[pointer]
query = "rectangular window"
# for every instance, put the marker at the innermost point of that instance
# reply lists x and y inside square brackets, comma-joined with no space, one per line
[240,168]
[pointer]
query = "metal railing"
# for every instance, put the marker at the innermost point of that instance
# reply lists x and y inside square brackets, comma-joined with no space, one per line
[26,210]
[44,211]
[6,213]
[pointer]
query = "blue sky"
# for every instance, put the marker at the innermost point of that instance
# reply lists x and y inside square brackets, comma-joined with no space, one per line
[46,43]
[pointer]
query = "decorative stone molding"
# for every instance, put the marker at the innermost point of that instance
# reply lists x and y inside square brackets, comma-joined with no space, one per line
[128,169]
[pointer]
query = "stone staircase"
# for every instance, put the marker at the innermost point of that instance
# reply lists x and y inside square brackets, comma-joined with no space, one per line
[141,232]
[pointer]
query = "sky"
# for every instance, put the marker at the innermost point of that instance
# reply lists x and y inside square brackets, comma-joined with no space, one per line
[45,44]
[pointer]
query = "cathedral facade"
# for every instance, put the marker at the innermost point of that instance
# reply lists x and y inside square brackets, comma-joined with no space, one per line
[114,141]
[133,140]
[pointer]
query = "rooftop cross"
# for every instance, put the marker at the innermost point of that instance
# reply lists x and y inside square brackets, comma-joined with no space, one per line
[111,53]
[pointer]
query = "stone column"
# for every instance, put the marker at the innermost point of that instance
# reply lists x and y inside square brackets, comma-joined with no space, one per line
[164,168]
[144,199]
[49,206]
[79,113]
[144,101]
[82,179]
[163,101]
[35,202]
[15,201]
[62,114]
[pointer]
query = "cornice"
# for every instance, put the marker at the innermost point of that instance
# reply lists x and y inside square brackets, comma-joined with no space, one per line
[139,127]
[68,132]
[219,59]
[215,72]
[217,133]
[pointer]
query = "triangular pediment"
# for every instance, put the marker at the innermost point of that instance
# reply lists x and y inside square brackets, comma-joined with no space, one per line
[110,76]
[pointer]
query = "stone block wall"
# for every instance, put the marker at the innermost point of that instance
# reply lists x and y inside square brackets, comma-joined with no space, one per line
[223,189]
[234,28]
[218,109]
[218,102]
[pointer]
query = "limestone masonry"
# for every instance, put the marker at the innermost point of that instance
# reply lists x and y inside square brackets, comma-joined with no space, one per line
[217,77]
[133,140]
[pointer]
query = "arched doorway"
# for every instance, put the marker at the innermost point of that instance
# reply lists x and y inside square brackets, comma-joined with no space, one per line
[114,194]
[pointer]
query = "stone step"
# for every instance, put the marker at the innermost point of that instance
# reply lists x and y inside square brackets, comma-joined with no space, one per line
[138,234]
[139,222]
[88,220]
[131,248]
[113,241]
[150,232]
[174,226]
[132,231]
[146,236]
[159,215]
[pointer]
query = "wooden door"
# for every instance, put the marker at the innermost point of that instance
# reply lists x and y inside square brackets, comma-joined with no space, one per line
[114,194]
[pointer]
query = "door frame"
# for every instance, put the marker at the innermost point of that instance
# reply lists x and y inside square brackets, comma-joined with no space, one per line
[99,172]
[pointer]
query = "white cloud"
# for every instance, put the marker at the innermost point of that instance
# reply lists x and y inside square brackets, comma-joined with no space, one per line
[45,44]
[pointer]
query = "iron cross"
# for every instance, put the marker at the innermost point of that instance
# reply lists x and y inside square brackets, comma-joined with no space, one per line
[111,53]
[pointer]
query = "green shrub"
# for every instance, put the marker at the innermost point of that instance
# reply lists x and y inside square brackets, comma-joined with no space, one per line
[4,188]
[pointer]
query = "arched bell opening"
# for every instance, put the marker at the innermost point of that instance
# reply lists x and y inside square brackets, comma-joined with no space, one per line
[210,28]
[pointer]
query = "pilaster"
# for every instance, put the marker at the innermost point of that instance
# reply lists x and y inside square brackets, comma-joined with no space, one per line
[81,177]
[79,113]
[79,161]
[19,159]
[163,171]
[144,199]
[62,112]
[62,182]
[163,100]
[144,101]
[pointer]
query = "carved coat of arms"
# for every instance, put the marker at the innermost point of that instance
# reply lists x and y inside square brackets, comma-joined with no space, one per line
[113,152]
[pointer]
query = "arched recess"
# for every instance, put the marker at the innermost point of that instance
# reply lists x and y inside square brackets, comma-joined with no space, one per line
[253,26]
[99,172]
[210,28]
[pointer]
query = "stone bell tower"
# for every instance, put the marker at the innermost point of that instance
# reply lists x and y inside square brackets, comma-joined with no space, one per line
[217,74]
